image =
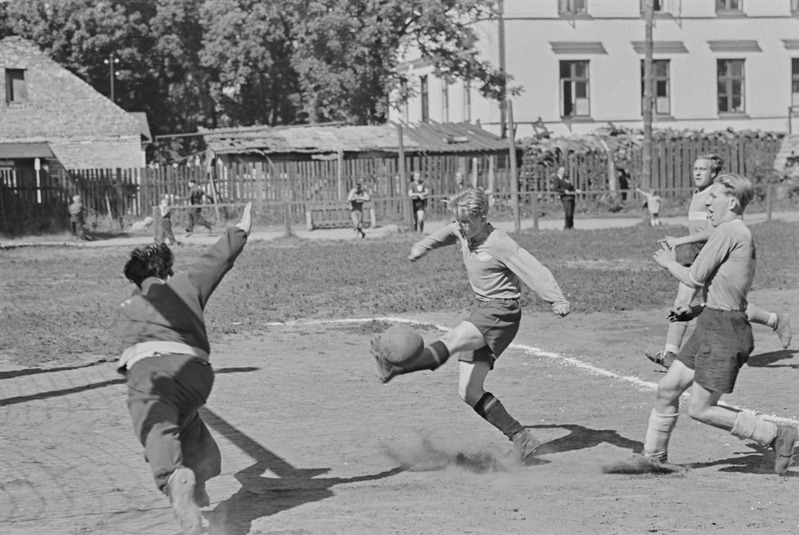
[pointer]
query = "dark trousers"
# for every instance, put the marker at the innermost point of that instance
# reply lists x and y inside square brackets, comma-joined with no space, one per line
[568,211]
[196,218]
[77,227]
[165,232]
[164,394]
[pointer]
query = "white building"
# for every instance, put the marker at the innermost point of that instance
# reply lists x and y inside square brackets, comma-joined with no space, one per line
[718,64]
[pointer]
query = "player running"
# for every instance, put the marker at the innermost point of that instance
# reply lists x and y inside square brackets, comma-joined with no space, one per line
[687,304]
[166,362]
[495,264]
[722,341]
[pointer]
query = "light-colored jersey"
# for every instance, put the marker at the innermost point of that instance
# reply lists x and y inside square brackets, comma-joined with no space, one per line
[496,265]
[725,266]
[697,212]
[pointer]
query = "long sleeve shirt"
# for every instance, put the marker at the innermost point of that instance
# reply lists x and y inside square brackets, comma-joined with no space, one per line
[497,265]
[167,316]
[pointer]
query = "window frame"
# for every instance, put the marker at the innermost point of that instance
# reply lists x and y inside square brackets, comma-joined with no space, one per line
[569,8]
[15,93]
[728,8]
[729,80]
[657,78]
[794,7]
[795,82]
[573,80]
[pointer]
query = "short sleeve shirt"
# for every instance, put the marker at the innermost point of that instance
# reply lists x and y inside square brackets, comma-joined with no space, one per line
[726,266]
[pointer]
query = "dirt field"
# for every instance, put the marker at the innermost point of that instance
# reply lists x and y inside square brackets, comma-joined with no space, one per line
[313,444]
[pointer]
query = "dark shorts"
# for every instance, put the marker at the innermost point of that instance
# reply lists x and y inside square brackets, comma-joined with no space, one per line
[686,254]
[498,322]
[718,347]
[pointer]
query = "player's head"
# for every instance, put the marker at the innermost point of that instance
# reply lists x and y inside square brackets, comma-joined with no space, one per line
[561,171]
[358,185]
[459,178]
[76,198]
[736,190]
[154,260]
[470,208]
[707,167]
[192,183]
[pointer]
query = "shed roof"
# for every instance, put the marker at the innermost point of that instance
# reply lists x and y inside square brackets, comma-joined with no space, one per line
[316,139]
[25,150]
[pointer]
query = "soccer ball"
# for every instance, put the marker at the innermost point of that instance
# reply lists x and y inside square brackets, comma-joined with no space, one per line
[401,345]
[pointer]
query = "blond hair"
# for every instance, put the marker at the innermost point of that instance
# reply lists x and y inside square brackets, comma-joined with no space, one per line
[737,186]
[716,163]
[473,201]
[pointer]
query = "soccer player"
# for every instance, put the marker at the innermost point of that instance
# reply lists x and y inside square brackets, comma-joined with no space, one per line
[166,362]
[722,341]
[495,264]
[706,168]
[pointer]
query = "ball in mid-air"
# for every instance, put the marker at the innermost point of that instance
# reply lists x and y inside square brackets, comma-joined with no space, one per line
[401,345]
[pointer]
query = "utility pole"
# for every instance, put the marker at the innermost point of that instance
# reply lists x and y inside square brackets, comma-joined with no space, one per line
[646,160]
[111,62]
[503,103]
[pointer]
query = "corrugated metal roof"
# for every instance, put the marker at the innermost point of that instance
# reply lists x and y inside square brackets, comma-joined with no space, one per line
[25,150]
[314,139]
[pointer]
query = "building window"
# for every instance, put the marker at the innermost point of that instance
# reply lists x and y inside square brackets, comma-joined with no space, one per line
[467,101]
[661,95]
[729,6]
[573,7]
[425,93]
[794,81]
[657,6]
[574,89]
[795,7]
[444,101]
[731,85]
[16,88]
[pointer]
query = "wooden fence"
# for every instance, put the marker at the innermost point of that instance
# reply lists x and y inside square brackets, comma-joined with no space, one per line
[280,188]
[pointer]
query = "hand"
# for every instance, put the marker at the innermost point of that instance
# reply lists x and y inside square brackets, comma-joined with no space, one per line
[561,309]
[671,241]
[680,313]
[245,223]
[665,255]
[416,253]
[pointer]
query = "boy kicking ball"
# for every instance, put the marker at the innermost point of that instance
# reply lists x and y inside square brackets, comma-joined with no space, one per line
[722,341]
[495,264]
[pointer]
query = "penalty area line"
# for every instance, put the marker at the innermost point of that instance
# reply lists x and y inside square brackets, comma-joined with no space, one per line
[636,382]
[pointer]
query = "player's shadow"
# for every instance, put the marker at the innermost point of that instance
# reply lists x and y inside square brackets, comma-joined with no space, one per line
[580,437]
[768,360]
[761,461]
[261,496]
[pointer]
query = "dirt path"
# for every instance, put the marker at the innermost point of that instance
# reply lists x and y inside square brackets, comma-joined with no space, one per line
[312,443]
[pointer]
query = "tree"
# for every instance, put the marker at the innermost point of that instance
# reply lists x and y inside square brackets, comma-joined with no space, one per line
[348,51]
[247,48]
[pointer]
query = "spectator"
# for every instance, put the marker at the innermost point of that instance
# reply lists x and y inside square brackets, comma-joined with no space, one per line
[356,198]
[165,232]
[196,196]
[563,185]
[418,193]
[652,204]
[77,218]
[624,182]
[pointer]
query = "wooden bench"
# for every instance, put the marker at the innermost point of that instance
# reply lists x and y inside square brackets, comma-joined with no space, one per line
[335,214]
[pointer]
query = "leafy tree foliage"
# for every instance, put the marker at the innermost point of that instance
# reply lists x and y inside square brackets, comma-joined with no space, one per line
[210,63]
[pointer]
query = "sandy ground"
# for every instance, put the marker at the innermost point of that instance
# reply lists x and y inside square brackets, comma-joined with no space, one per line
[313,444]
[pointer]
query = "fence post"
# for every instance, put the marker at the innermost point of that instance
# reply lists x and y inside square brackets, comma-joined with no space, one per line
[534,208]
[156,223]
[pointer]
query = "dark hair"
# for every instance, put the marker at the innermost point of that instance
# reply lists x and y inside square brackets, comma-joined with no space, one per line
[716,163]
[154,260]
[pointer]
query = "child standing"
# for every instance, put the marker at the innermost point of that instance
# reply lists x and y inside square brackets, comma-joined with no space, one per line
[356,198]
[495,264]
[77,218]
[418,193]
[166,362]
[653,202]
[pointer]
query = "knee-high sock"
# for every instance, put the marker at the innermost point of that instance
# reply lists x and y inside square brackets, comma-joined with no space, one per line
[431,358]
[658,433]
[747,426]
[491,409]
[675,335]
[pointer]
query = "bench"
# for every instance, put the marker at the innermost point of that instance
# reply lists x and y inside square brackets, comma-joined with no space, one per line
[335,214]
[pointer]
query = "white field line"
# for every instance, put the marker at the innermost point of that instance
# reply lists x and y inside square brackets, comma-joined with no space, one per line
[637,383]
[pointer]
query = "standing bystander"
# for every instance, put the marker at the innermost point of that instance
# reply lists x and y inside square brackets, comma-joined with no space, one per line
[418,193]
[77,218]
[356,198]
[562,184]
[196,196]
